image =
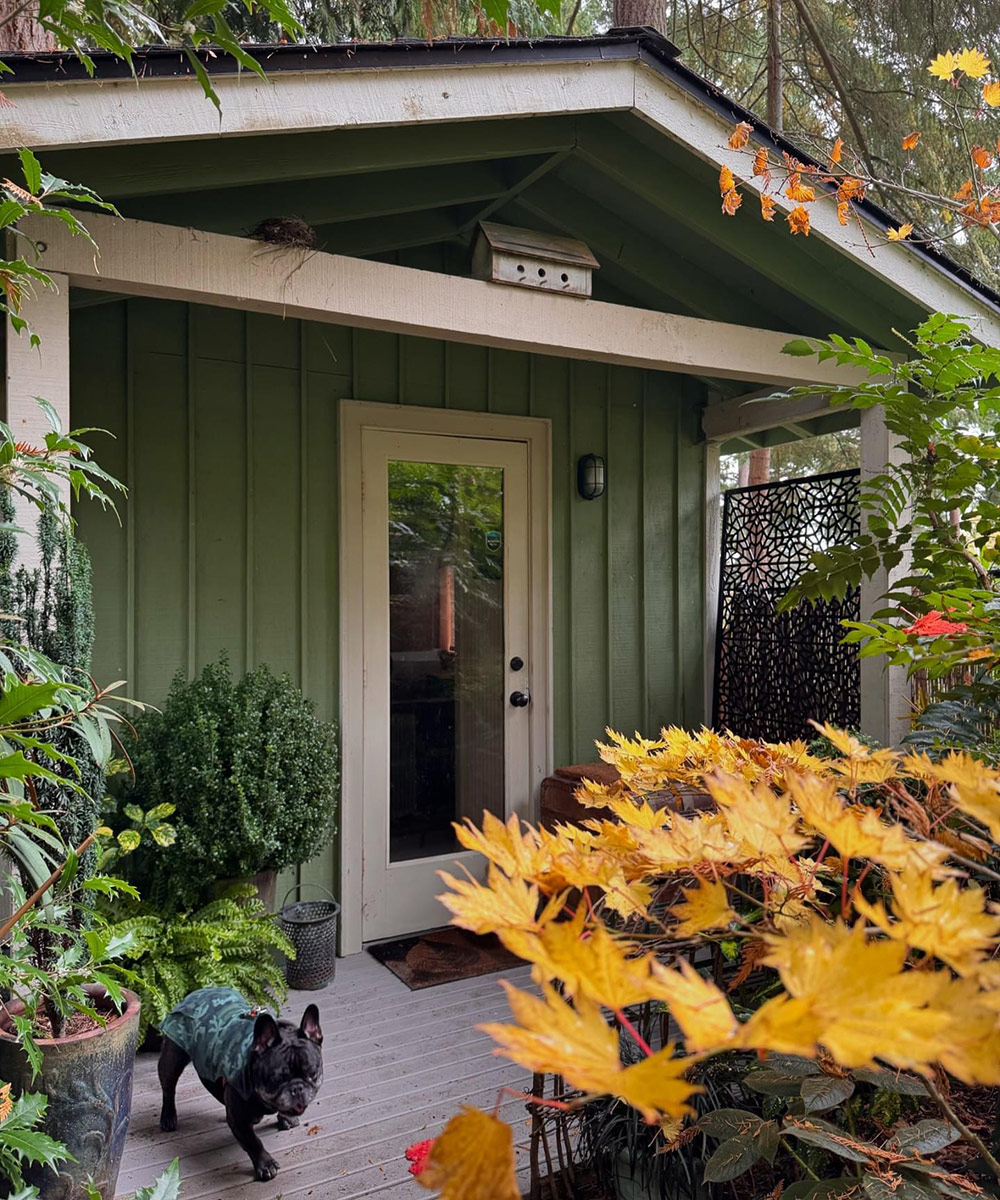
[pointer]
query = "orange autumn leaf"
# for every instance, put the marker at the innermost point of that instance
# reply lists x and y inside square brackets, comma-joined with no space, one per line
[981,157]
[837,153]
[851,189]
[991,94]
[473,1159]
[731,202]
[766,207]
[844,212]
[911,139]
[740,136]
[797,190]
[900,234]
[798,220]
[6,1104]
[726,181]
[760,163]
[965,191]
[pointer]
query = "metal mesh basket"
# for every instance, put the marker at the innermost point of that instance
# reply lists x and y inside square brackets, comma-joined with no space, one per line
[311,927]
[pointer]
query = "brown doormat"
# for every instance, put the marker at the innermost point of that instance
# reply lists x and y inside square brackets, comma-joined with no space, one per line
[442,956]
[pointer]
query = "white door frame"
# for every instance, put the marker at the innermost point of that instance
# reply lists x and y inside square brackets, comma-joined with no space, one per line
[536,433]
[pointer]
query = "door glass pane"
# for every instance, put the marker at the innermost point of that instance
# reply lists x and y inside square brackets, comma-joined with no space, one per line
[446,652]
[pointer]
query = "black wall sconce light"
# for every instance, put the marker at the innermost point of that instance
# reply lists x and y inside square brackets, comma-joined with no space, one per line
[591,476]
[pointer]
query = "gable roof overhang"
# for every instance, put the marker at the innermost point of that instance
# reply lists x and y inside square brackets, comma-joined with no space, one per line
[610,127]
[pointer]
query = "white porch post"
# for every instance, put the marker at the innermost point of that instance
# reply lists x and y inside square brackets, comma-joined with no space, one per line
[38,372]
[885,707]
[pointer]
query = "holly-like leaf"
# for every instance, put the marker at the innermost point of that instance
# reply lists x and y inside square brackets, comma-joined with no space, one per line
[473,1159]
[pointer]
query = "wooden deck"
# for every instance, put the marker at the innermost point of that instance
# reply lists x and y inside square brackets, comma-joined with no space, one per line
[397,1065]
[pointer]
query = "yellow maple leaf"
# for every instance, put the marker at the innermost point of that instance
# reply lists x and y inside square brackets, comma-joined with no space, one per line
[740,136]
[911,139]
[697,1005]
[688,842]
[991,94]
[705,906]
[944,66]
[655,1086]
[946,920]
[554,1036]
[900,234]
[588,959]
[500,903]
[973,786]
[973,63]
[759,820]
[852,992]
[472,1159]
[513,849]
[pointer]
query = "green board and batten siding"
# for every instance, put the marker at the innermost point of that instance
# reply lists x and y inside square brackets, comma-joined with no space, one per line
[226,434]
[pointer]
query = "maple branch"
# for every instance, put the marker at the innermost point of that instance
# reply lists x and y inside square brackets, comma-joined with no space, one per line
[968,1135]
[817,40]
[637,1037]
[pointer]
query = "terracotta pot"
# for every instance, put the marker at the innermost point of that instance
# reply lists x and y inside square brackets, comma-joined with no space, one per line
[88,1080]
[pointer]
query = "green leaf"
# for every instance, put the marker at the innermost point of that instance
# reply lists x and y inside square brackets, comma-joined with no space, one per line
[892,1081]
[799,348]
[768,1139]
[773,1083]
[830,1138]
[733,1158]
[166,1187]
[926,1137]
[825,1189]
[129,840]
[723,1123]
[20,700]
[822,1092]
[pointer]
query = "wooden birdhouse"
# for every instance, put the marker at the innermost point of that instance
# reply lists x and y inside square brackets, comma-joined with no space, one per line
[526,258]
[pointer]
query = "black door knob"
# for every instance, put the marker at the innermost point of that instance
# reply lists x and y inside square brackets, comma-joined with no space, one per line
[520,699]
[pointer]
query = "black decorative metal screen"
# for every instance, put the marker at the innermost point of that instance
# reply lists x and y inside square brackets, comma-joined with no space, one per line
[776,671]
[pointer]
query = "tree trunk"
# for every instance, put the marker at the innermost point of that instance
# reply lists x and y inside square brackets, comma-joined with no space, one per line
[760,466]
[19,30]
[631,13]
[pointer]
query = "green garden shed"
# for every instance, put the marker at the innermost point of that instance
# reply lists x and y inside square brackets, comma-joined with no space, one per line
[369,466]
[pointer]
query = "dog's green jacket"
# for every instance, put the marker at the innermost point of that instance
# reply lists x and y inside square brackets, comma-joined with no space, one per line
[215,1027]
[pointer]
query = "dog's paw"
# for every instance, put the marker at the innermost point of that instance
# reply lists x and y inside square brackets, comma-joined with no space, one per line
[287,1122]
[265,1168]
[168,1122]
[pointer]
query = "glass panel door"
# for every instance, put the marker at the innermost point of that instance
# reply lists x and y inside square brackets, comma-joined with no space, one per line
[446,649]
[446,652]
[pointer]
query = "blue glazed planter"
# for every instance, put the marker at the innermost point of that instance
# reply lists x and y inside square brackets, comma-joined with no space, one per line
[88,1080]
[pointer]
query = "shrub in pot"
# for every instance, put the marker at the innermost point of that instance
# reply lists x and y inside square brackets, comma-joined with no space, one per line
[251,773]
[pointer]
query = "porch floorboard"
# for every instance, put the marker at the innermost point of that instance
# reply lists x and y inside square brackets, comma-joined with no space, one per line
[397,1065]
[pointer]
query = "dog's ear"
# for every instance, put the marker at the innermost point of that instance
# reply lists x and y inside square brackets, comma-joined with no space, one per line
[310,1025]
[265,1033]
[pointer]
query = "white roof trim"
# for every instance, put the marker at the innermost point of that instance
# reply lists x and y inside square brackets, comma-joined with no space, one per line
[93,113]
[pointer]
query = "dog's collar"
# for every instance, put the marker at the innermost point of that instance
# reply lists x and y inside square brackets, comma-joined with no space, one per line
[253,1013]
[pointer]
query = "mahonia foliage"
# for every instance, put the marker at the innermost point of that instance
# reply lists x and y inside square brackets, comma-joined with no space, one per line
[878,941]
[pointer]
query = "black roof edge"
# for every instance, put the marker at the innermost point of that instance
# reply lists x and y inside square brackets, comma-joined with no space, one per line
[642,43]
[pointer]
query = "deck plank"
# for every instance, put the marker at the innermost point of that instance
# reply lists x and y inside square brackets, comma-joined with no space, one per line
[397,1065]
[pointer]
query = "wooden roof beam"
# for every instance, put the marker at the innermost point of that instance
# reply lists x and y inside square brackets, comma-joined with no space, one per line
[169,262]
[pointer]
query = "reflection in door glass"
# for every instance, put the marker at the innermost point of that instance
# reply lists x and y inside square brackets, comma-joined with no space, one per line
[446,652]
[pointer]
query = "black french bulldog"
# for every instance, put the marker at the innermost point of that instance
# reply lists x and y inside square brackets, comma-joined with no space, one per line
[250,1062]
